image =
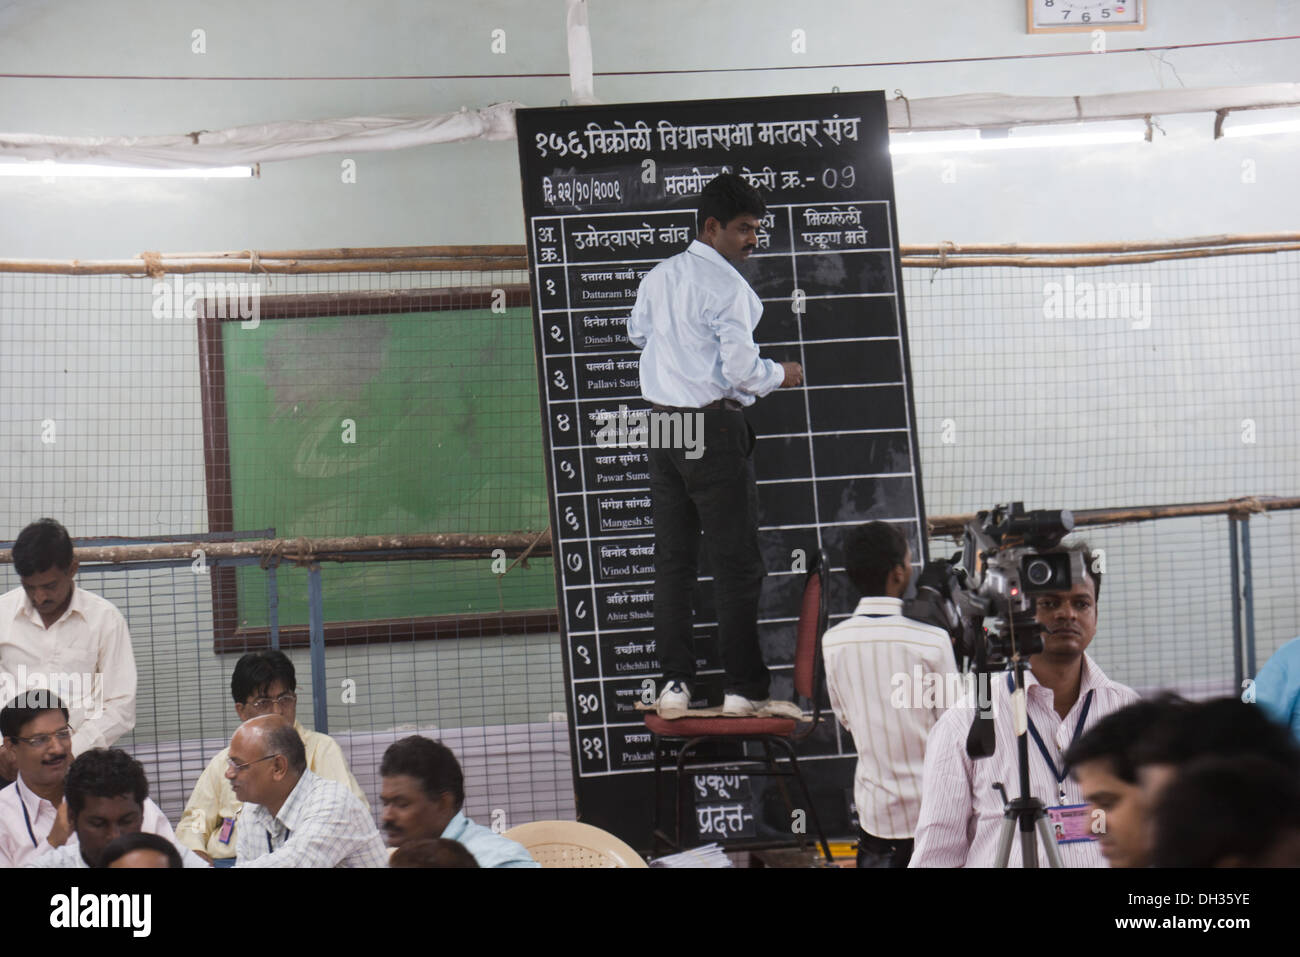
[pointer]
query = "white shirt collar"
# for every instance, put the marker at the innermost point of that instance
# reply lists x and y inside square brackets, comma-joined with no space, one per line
[293,805]
[1090,677]
[879,605]
[706,251]
[29,610]
[30,798]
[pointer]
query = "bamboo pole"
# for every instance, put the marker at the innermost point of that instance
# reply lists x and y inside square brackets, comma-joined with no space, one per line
[942,525]
[363,252]
[454,544]
[138,267]
[957,262]
[1137,245]
[471,545]
[513,257]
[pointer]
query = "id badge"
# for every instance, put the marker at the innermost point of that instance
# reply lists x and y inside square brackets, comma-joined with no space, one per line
[227,828]
[1071,823]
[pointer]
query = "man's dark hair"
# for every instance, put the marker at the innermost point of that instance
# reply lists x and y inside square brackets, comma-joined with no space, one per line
[727,196]
[871,552]
[1221,727]
[257,671]
[284,740]
[1217,809]
[28,707]
[104,773]
[140,841]
[429,762]
[432,852]
[42,545]
[1113,737]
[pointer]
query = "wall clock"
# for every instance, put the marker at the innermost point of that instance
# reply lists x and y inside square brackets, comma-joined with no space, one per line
[1083,16]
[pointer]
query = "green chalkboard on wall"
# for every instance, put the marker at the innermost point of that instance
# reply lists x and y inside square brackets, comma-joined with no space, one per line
[378,414]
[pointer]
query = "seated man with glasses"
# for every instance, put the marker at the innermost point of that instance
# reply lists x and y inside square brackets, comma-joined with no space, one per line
[34,816]
[263,682]
[107,796]
[291,817]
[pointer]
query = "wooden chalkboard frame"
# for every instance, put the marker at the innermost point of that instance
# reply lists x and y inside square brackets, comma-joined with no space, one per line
[229,636]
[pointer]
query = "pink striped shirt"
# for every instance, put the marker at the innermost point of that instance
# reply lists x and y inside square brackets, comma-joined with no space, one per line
[961,814]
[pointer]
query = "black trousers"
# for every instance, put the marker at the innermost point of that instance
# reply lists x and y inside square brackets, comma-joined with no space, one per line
[713,495]
[883,852]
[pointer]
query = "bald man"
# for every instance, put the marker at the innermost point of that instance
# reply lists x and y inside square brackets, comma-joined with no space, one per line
[291,817]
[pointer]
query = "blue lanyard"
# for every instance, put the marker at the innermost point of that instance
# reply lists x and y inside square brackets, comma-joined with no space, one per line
[1059,773]
[28,821]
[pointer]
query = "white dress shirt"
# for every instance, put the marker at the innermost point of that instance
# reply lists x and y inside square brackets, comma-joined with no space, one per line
[89,639]
[694,321]
[961,814]
[867,660]
[321,824]
[19,846]
[69,855]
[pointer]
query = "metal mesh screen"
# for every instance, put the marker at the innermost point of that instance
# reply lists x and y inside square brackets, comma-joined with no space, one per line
[1126,385]
[344,421]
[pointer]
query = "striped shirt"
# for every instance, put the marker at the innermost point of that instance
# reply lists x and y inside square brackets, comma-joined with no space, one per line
[875,667]
[202,827]
[961,814]
[320,824]
[694,321]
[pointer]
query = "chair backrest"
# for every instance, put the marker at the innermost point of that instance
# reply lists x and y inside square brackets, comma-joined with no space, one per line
[813,613]
[574,844]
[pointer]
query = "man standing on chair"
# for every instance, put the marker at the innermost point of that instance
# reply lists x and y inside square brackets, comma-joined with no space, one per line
[694,321]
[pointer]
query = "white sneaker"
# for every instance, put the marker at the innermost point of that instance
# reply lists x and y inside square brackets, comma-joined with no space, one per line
[735,704]
[676,696]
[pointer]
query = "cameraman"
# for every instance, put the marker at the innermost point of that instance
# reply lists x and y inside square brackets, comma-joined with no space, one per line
[961,813]
[870,659]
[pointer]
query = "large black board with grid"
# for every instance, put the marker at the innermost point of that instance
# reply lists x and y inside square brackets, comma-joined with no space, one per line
[610,191]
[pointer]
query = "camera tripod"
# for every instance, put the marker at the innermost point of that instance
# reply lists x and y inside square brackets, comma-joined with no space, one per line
[1026,815]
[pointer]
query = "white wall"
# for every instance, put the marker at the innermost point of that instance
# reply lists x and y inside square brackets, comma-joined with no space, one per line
[1184,184]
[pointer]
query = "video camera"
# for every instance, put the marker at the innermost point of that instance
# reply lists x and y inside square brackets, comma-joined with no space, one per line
[1005,562]
[1007,559]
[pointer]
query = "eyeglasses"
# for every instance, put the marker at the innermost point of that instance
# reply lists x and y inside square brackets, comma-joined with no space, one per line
[63,736]
[265,704]
[237,768]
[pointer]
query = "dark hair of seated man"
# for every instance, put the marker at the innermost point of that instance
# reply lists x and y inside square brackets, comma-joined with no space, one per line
[1219,727]
[1241,811]
[435,852]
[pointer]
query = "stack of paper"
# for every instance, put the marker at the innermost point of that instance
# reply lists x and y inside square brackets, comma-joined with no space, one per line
[710,855]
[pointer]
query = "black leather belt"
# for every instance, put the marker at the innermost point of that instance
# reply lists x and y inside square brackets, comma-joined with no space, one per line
[725,405]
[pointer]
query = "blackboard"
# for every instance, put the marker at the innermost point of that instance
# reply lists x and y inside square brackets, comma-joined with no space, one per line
[610,191]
